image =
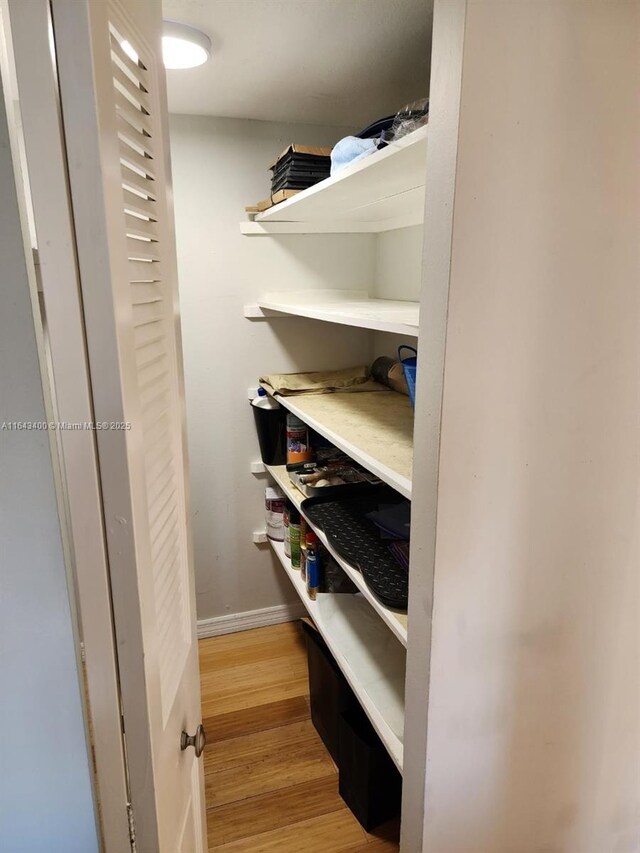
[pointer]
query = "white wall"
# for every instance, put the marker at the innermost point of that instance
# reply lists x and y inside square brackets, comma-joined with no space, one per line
[45,788]
[534,717]
[219,166]
[398,275]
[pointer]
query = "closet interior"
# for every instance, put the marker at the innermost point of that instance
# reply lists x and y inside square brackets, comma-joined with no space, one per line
[325,281]
[370,212]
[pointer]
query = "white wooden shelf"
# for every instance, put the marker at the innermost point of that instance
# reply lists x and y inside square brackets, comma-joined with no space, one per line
[370,658]
[345,307]
[373,427]
[379,193]
[393,619]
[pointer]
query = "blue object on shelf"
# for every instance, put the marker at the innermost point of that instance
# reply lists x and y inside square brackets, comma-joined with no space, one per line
[409,366]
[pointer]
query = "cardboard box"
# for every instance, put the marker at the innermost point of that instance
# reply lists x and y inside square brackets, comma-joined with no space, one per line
[276,198]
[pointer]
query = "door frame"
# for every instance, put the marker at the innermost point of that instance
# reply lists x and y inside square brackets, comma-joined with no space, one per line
[27,38]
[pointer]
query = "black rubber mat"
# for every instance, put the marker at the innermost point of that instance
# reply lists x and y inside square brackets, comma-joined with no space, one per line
[358,541]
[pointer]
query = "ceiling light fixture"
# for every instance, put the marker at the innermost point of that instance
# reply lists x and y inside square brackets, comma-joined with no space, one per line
[184,46]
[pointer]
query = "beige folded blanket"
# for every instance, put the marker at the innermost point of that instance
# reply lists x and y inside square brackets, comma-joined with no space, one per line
[350,379]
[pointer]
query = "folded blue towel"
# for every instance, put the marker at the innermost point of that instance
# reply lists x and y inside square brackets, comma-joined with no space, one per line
[350,150]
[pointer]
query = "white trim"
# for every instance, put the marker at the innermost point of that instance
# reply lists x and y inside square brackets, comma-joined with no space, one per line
[234,622]
[79,481]
[445,93]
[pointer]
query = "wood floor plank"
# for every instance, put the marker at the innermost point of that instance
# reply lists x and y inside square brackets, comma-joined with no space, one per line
[274,771]
[271,786]
[232,643]
[259,746]
[272,811]
[376,845]
[217,657]
[258,696]
[256,718]
[330,833]
[251,666]
[248,676]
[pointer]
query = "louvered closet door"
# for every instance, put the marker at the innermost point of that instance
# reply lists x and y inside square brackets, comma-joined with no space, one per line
[114,108]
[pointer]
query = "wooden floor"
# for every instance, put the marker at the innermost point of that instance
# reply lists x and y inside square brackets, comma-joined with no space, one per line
[271,786]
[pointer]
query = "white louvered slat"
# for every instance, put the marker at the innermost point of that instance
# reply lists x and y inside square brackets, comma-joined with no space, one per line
[132,159]
[156,489]
[143,207]
[137,118]
[133,137]
[142,250]
[158,482]
[149,354]
[163,491]
[158,474]
[164,561]
[153,376]
[154,409]
[164,518]
[160,444]
[137,227]
[158,448]
[137,183]
[164,538]
[134,90]
[165,575]
[150,312]
[161,425]
[169,600]
[154,456]
[159,508]
[146,338]
[153,368]
[172,550]
[146,291]
[154,403]
[144,271]
[137,69]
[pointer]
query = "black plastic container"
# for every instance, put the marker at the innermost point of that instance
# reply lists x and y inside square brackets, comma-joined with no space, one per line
[271,429]
[329,691]
[370,783]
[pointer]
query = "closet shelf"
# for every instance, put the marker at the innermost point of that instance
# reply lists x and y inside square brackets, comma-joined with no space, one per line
[373,427]
[380,193]
[372,661]
[345,307]
[394,620]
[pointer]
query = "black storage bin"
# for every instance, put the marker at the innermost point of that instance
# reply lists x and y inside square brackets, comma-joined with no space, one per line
[370,783]
[329,691]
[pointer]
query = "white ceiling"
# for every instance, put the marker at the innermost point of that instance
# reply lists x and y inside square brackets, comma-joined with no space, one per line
[335,62]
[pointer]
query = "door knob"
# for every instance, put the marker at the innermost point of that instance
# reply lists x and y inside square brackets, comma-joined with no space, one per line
[198,741]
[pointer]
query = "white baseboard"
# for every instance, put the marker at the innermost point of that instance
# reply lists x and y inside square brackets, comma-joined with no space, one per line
[250,619]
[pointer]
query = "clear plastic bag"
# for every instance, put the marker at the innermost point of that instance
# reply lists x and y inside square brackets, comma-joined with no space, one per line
[410,118]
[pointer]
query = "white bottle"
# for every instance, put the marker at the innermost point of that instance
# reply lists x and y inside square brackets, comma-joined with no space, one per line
[274,511]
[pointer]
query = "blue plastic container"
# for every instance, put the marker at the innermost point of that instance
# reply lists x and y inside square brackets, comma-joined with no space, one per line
[409,366]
